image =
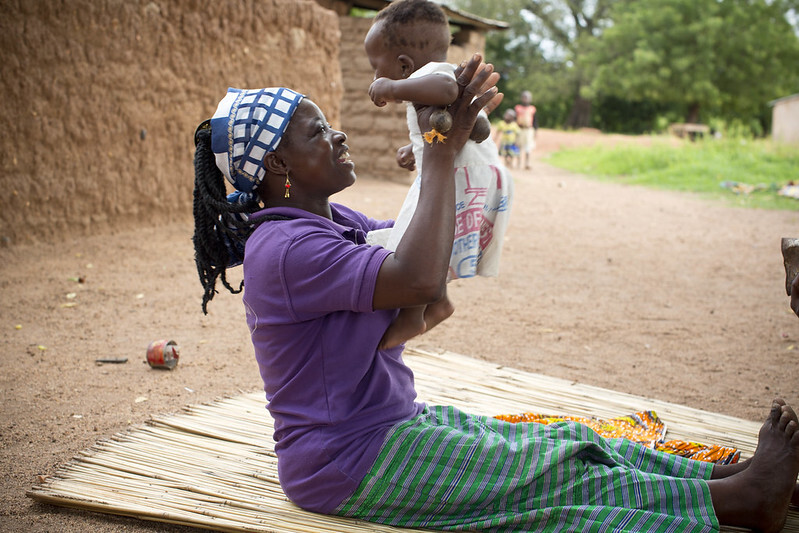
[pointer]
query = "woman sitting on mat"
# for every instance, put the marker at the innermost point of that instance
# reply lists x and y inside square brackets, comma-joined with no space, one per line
[350,438]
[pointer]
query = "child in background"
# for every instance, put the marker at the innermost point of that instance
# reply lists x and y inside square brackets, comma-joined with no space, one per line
[528,121]
[507,138]
[407,47]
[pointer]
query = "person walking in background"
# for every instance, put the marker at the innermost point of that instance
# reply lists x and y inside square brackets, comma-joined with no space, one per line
[507,136]
[528,122]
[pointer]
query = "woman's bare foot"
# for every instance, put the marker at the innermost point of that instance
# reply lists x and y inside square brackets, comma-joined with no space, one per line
[408,324]
[758,496]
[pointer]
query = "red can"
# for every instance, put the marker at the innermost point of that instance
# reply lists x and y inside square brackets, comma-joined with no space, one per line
[163,354]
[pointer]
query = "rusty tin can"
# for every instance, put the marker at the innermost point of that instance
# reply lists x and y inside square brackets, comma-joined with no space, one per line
[163,354]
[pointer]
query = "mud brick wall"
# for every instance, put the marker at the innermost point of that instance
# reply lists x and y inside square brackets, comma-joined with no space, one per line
[101,98]
[374,133]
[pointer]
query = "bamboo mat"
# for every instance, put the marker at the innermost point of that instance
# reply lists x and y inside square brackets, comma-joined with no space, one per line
[213,466]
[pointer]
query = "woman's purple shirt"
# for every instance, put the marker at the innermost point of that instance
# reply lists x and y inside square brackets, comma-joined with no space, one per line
[309,284]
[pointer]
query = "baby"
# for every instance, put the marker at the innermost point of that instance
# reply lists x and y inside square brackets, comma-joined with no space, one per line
[407,47]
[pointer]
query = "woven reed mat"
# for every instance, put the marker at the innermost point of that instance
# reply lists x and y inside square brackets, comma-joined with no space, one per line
[213,466]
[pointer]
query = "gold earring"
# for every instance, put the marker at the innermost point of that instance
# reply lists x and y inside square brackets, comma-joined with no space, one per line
[288,185]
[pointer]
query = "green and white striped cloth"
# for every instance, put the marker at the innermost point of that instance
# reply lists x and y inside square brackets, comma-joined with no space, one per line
[449,470]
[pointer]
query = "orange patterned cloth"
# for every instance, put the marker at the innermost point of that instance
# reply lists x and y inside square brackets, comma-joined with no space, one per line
[644,427]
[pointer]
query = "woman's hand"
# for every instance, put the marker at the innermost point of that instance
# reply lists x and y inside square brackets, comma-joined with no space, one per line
[494,103]
[491,105]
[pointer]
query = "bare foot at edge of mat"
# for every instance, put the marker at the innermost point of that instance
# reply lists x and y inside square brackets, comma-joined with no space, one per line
[763,491]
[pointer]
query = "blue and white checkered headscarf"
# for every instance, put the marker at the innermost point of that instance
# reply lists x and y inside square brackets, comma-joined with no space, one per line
[247,125]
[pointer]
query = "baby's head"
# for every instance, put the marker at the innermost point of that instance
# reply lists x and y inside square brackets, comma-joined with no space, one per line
[510,115]
[406,35]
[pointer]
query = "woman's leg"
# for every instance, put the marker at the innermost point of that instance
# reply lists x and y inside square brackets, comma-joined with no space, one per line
[451,470]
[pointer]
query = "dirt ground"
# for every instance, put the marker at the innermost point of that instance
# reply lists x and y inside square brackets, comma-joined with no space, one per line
[653,293]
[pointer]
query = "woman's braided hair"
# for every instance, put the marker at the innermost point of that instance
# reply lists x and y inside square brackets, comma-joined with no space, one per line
[220,230]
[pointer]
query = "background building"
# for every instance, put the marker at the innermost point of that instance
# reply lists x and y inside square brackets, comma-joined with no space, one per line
[785,120]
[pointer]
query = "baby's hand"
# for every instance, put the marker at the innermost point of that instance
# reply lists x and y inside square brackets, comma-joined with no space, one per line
[405,158]
[381,91]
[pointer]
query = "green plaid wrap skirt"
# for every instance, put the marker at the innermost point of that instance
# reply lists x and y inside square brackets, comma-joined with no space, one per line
[449,470]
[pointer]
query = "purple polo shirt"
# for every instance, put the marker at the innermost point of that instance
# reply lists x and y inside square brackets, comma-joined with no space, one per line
[309,284]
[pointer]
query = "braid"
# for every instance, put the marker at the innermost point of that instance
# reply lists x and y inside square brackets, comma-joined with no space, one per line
[220,229]
[217,243]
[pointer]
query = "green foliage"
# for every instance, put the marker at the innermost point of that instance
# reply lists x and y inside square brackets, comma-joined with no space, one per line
[736,128]
[652,61]
[708,168]
[612,114]
[725,58]
[359,12]
[539,52]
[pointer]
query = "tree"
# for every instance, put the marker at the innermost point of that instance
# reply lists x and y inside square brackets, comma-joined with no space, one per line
[572,25]
[722,57]
[513,52]
[542,49]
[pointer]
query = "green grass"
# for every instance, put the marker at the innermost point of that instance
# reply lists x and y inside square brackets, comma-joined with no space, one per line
[699,168]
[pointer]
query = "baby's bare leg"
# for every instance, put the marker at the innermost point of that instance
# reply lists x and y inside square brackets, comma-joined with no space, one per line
[758,496]
[438,312]
[413,321]
[408,324]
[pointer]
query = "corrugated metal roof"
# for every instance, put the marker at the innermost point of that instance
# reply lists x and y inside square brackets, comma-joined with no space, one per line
[783,99]
[455,16]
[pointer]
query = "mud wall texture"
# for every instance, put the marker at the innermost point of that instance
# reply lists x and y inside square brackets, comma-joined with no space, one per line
[101,98]
[375,133]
